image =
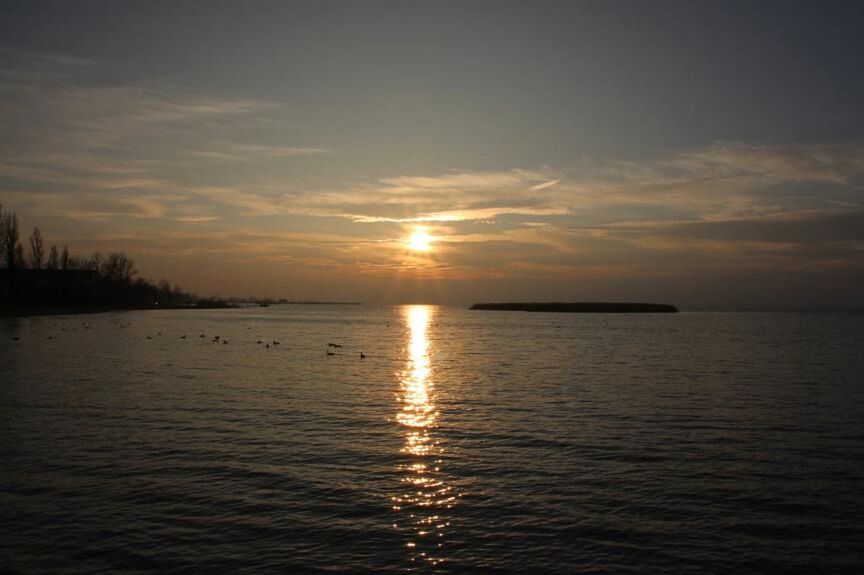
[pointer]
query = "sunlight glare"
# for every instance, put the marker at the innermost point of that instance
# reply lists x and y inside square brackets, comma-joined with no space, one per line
[420,506]
[420,240]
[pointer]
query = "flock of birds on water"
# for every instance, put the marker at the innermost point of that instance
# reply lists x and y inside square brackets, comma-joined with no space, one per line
[219,339]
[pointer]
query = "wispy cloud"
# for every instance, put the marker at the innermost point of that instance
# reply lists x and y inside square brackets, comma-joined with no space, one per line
[545,185]
[454,196]
[196,219]
[250,153]
[69,132]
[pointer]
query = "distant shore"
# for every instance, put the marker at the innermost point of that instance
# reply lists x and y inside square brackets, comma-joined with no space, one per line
[28,311]
[578,307]
[318,303]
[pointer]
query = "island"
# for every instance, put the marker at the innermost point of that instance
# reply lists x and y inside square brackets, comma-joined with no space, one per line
[579,307]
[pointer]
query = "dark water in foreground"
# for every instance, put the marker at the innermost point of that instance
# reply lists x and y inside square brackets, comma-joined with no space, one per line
[465,442]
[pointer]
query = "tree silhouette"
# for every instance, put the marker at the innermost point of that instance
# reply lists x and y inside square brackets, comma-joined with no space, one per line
[13,251]
[95,262]
[118,268]
[77,281]
[37,249]
[64,258]
[53,262]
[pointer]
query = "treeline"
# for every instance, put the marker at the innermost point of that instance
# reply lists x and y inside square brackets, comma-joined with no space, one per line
[37,276]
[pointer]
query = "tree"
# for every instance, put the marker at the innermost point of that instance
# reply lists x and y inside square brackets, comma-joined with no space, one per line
[53,259]
[118,268]
[95,262]
[13,251]
[19,255]
[64,258]
[166,296]
[178,296]
[37,249]
[76,263]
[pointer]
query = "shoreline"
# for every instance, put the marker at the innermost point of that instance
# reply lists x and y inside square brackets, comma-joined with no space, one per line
[33,311]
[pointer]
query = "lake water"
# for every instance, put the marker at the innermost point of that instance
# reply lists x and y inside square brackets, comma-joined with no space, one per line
[465,442]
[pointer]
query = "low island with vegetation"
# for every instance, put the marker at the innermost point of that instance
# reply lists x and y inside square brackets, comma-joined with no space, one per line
[579,307]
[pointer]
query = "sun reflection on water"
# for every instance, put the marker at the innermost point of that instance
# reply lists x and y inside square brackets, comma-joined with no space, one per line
[423,503]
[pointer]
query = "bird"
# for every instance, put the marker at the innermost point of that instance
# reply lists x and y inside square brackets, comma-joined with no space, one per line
[362,355]
[275,342]
[267,346]
[202,335]
[182,337]
[330,352]
[148,337]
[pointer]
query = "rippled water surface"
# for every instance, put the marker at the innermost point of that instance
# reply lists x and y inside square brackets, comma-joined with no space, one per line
[464,442]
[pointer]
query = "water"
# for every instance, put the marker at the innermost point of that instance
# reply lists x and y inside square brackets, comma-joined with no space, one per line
[465,442]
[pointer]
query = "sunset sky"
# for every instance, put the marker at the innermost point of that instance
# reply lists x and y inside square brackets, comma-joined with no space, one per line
[696,153]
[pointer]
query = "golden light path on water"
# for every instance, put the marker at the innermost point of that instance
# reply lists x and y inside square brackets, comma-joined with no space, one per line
[423,503]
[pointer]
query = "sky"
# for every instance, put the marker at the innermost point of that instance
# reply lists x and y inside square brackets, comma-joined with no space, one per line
[705,154]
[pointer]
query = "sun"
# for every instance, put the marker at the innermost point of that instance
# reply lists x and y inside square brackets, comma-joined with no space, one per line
[420,240]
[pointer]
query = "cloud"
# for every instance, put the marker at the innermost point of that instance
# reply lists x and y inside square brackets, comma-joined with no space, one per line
[455,196]
[545,185]
[187,173]
[249,153]
[196,219]
[69,132]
